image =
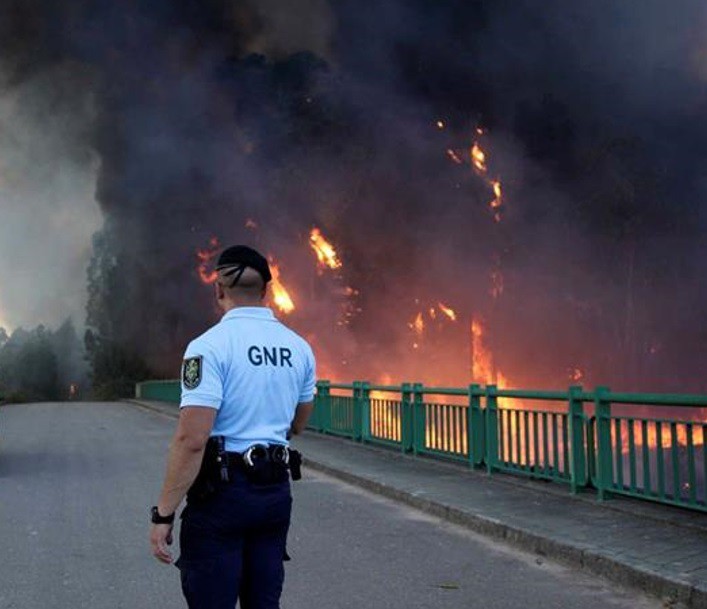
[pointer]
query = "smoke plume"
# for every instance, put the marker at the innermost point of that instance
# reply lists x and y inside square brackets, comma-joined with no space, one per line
[204,115]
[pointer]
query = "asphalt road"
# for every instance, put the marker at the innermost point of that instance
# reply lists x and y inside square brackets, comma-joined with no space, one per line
[76,481]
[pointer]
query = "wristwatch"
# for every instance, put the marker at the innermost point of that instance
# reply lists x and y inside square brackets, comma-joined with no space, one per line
[157,518]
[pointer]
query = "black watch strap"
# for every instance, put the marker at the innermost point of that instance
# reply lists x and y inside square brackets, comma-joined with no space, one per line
[157,518]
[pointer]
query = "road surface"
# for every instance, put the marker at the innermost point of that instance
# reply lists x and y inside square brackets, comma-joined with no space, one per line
[77,479]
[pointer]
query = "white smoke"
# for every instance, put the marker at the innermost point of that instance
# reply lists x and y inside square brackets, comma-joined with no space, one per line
[47,208]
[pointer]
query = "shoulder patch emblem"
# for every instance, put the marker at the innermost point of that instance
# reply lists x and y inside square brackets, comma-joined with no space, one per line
[191,372]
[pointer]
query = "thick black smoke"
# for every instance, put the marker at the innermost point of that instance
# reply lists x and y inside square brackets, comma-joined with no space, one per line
[596,126]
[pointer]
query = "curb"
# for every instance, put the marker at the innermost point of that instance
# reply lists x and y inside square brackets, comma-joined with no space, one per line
[584,559]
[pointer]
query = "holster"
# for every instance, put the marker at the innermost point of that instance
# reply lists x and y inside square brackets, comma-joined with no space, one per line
[295,464]
[209,477]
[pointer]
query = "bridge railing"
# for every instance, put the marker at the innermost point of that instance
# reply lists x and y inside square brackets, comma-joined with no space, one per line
[646,446]
[162,391]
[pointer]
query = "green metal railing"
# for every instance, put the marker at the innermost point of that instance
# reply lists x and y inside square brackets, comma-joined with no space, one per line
[163,391]
[646,446]
[572,437]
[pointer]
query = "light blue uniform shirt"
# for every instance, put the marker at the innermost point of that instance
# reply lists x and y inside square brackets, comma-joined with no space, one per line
[254,371]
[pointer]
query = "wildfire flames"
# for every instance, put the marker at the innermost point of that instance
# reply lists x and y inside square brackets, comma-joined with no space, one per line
[447,311]
[430,320]
[418,325]
[478,158]
[483,369]
[326,254]
[280,296]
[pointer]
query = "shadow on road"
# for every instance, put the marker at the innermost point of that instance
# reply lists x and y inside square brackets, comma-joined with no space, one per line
[15,464]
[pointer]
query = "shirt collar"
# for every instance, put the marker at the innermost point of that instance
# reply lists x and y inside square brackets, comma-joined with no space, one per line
[249,313]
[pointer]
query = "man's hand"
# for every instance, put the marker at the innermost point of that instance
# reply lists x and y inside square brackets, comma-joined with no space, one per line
[183,464]
[160,539]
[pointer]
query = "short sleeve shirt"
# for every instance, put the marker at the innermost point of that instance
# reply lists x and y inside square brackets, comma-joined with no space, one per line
[254,370]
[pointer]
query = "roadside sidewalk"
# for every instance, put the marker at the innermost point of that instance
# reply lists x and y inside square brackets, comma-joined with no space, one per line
[659,549]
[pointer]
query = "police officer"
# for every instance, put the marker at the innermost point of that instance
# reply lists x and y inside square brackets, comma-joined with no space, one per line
[247,385]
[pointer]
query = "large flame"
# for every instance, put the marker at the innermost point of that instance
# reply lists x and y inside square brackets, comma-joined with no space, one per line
[326,254]
[280,296]
[483,370]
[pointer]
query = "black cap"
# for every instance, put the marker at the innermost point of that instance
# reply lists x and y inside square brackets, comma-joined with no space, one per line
[244,256]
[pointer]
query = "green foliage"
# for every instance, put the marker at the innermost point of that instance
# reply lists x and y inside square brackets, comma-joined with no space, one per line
[114,369]
[28,366]
[39,364]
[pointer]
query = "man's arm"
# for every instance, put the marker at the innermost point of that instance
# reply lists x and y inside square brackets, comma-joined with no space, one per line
[185,456]
[302,414]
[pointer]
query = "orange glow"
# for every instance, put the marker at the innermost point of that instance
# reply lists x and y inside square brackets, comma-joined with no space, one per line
[449,312]
[440,124]
[384,379]
[326,254]
[666,435]
[496,191]
[495,205]
[483,370]
[418,324]
[280,295]
[205,257]
[478,158]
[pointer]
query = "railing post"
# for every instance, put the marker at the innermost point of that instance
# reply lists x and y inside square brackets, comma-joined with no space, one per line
[405,417]
[365,411]
[602,407]
[418,418]
[578,459]
[475,427]
[357,411]
[591,450]
[491,427]
[324,399]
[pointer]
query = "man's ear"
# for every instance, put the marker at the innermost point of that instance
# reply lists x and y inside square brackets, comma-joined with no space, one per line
[219,292]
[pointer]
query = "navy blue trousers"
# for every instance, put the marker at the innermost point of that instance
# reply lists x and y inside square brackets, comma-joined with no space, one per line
[233,546]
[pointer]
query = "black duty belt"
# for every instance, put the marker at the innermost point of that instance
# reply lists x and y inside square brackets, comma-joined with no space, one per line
[276,454]
[268,461]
